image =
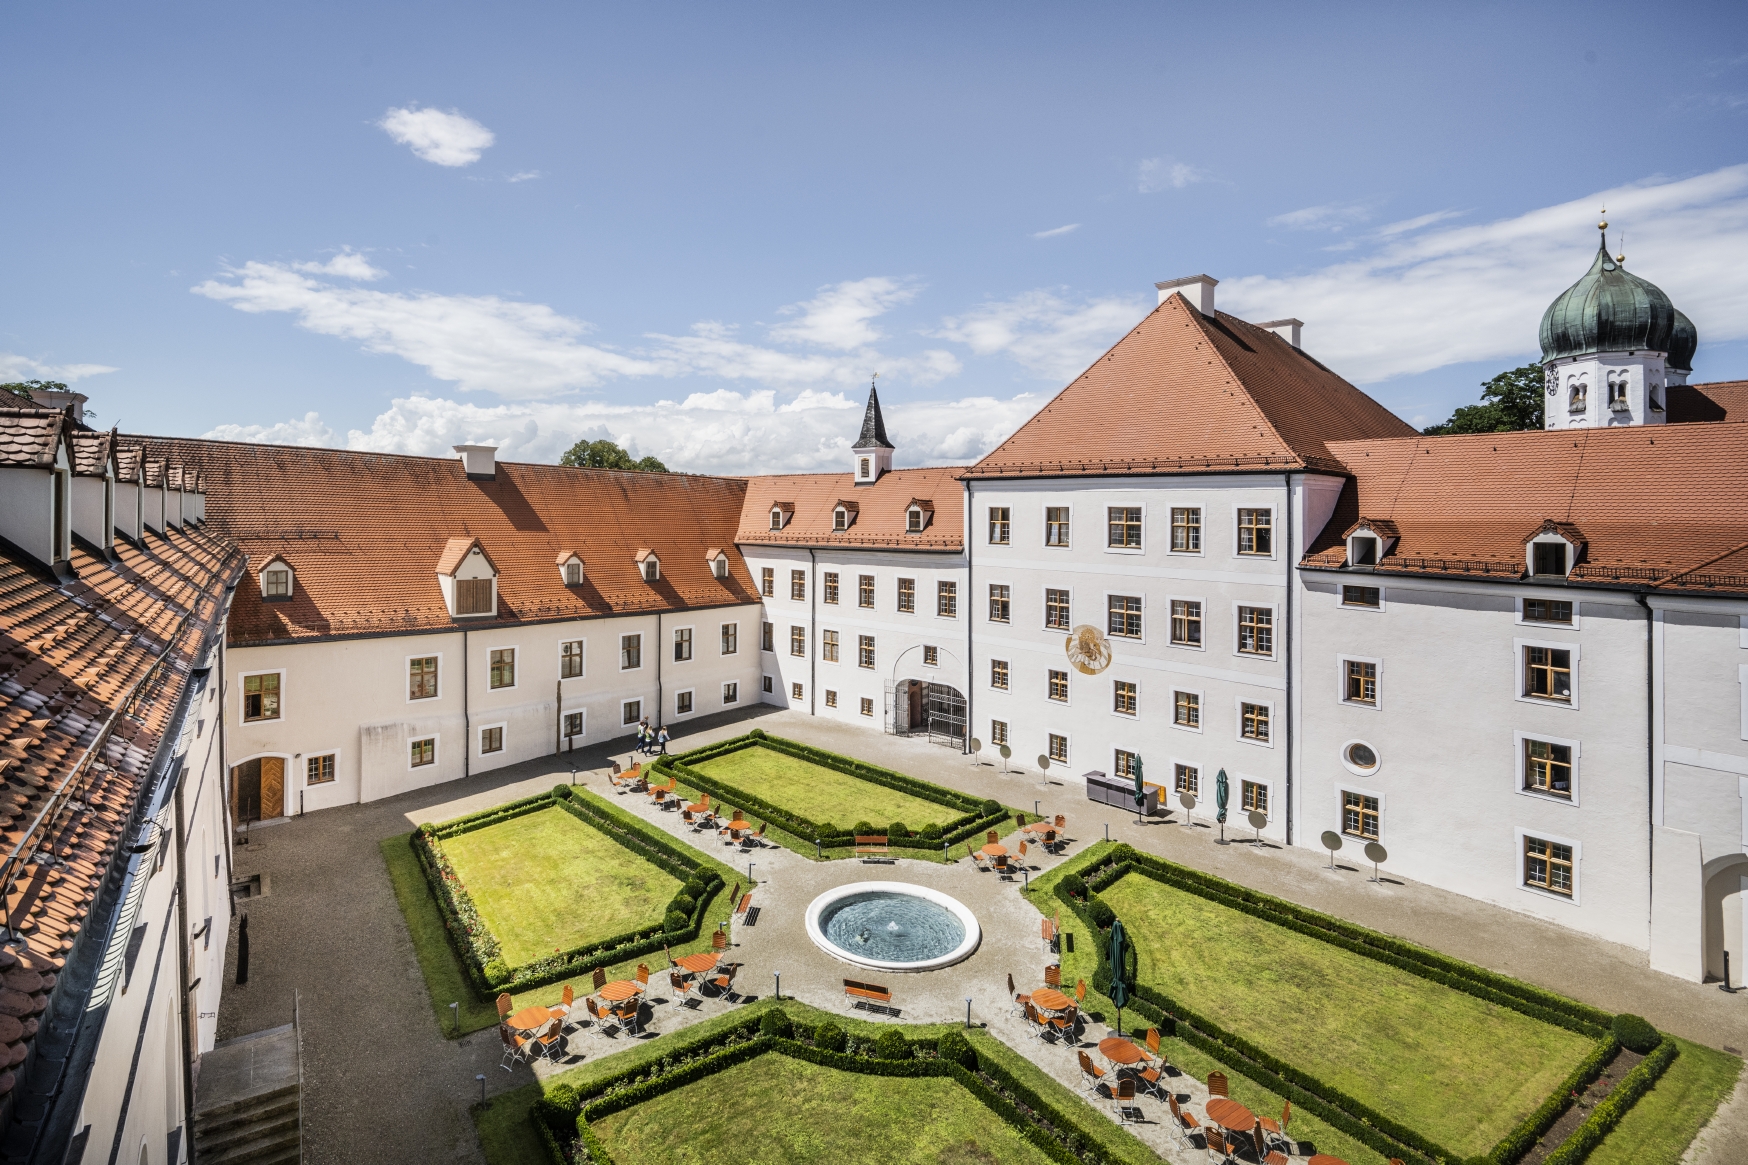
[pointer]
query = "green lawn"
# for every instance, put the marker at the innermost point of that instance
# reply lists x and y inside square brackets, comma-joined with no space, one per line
[1656,1131]
[778,1110]
[1461,1071]
[821,794]
[547,882]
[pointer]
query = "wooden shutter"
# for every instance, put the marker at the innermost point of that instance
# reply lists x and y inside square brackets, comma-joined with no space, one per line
[272,787]
[473,596]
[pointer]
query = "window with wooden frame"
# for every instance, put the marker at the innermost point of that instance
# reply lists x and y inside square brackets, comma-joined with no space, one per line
[1547,865]
[865,591]
[1000,605]
[767,636]
[319,770]
[630,652]
[730,638]
[491,739]
[261,697]
[1124,527]
[831,698]
[1256,631]
[1058,749]
[798,585]
[1186,779]
[1253,721]
[947,600]
[1359,815]
[1359,596]
[1547,611]
[931,656]
[864,651]
[1056,609]
[682,644]
[1186,623]
[573,724]
[731,693]
[279,584]
[1186,709]
[1548,558]
[907,595]
[914,520]
[998,525]
[795,691]
[422,678]
[1548,673]
[998,674]
[768,689]
[1255,531]
[503,667]
[998,732]
[473,596]
[830,594]
[1059,685]
[1123,763]
[1186,529]
[828,646]
[573,573]
[1125,698]
[867,706]
[1253,797]
[1056,526]
[840,520]
[422,752]
[1361,682]
[767,581]
[682,703]
[631,712]
[797,640]
[1547,767]
[1123,616]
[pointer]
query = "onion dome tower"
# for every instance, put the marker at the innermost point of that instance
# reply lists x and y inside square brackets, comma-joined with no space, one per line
[1611,344]
[872,452]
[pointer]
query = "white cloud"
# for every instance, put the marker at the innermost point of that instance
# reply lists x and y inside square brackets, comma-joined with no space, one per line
[15,367]
[448,139]
[1045,332]
[1156,174]
[722,432]
[1478,292]
[346,265]
[841,316]
[1390,230]
[1054,231]
[1332,216]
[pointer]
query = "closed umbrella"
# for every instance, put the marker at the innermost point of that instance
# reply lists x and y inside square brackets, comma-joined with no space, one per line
[1140,791]
[1119,989]
[1222,794]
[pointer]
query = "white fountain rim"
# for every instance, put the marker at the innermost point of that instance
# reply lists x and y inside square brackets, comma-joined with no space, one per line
[973,932]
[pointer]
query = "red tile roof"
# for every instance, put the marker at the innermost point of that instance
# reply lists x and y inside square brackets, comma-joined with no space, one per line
[1721,400]
[1188,393]
[366,532]
[879,512]
[91,451]
[28,436]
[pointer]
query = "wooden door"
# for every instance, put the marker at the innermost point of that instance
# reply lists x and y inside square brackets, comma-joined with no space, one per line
[246,792]
[916,705]
[272,787]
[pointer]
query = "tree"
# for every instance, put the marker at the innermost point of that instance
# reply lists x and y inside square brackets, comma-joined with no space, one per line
[1510,401]
[604,454]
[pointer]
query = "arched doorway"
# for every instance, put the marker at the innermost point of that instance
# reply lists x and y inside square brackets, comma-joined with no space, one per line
[925,707]
[1726,898]
[258,789]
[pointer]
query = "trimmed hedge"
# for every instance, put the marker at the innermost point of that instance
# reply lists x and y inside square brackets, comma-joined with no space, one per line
[478,949]
[1606,1115]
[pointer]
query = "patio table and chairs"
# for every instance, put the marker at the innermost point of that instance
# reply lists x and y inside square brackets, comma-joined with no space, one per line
[624,998]
[697,964]
[1050,999]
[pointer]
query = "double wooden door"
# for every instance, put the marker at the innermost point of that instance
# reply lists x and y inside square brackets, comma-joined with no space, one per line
[258,789]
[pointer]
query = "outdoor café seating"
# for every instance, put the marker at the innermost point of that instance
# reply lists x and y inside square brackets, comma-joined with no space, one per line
[1123,1100]
[1186,1123]
[1090,1072]
[1020,998]
[516,1048]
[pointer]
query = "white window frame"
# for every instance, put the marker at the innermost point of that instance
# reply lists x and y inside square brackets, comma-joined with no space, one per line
[583,654]
[1051,701]
[1342,604]
[1108,548]
[318,753]
[1342,788]
[693,654]
[584,713]
[1009,621]
[1238,703]
[1275,630]
[640,651]
[723,694]
[1520,673]
[515,667]
[1341,662]
[1517,856]
[1140,640]
[1128,717]
[958,598]
[436,739]
[692,692]
[1269,784]
[1275,532]
[1355,769]
[281,673]
[1550,539]
[1522,765]
[1044,609]
[406,680]
[479,735]
[926,648]
[632,723]
[1573,625]
[1201,709]
[1044,525]
[1742,678]
[1171,785]
[735,623]
[1181,504]
[1169,641]
[1009,664]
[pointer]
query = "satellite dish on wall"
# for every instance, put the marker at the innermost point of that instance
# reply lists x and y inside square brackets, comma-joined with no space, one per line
[1331,842]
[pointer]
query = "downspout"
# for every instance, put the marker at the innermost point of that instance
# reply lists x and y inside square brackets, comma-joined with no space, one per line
[813,633]
[970,617]
[1291,563]
[1650,753]
[466,717]
[661,694]
[188,1042]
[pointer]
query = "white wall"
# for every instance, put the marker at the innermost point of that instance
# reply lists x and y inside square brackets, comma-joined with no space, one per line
[27,518]
[93,518]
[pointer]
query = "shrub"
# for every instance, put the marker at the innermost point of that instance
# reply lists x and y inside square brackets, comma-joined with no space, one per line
[1102,914]
[683,903]
[862,828]
[891,1045]
[931,832]
[694,888]
[757,734]
[497,973]
[427,829]
[991,807]
[897,830]
[829,829]
[830,1037]
[1075,885]
[1635,1034]
[675,922]
[956,1049]
[558,1109]
[775,1023]
[561,792]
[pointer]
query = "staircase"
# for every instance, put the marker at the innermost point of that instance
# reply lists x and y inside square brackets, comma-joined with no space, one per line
[247,1105]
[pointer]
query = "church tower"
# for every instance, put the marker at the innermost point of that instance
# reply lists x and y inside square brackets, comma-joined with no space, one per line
[872,452]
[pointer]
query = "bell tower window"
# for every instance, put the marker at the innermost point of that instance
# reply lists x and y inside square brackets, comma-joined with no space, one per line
[1580,398]
[1617,392]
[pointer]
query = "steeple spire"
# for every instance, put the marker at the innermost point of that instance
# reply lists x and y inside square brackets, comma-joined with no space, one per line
[873,424]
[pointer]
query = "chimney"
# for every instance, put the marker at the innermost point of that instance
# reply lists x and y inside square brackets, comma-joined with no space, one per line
[480,461]
[1287,330]
[1198,289]
[54,398]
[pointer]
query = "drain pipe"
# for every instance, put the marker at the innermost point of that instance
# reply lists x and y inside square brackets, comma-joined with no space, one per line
[466,718]
[1650,753]
[1291,580]
[970,526]
[813,633]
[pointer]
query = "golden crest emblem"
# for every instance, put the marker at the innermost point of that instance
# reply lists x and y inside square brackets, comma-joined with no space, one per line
[1088,650]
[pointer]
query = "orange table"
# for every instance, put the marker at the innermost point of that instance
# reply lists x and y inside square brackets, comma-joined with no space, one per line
[697,964]
[698,808]
[1325,1159]
[1039,827]
[739,825]
[620,990]
[994,851]
[1120,1051]
[1230,1114]
[1051,999]
[530,1019]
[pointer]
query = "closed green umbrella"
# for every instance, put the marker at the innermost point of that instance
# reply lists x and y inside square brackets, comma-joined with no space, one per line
[1222,794]
[1119,989]
[1140,791]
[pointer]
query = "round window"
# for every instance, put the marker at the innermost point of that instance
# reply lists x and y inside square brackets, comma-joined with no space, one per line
[1359,757]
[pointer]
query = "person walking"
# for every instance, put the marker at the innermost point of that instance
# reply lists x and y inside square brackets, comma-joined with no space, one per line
[662,740]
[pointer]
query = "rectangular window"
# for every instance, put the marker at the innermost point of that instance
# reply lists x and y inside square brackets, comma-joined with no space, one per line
[831,698]
[768,689]
[1547,865]
[795,691]
[864,651]
[731,693]
[682,703]
[798,585]
[730,638]
[1359,596]
[423,752]
[473,596]
[570,659]
[319,770]
[1124,616]
[1058,749]
[1547,611]
[1186,623]
[797,640]
[1362,682]
[1549,557]
[491,739]
[1548,673]
[767,581]
[931,657]
[1056,609]
[767,636]
[1125,697]
[999,603]
[1186,779]
[261,697]
[1359,815]
[1124,524]
[907,595]
[1059,685]
[1255,532]
[865,591]
[840,520]
[1547,767]
[831,588]
[1254,797]
[573,723]
[1186,529]
[1254,721]
[630,652]
[631,712]
[828,646]
[947,600]
[1256,631]
[998,732]
[998,525]
[1186,709]
[278,584]
[867,706]
[998,674]
[503,664]
[1056,526]
[1125,763]
[422,678]
[682,644]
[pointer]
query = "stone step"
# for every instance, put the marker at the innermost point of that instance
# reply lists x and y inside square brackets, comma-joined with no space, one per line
[269,1149]
[218,1113]
[282,1120]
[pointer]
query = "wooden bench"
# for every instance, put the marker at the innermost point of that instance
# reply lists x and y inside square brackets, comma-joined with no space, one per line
[871,996]
[872,847]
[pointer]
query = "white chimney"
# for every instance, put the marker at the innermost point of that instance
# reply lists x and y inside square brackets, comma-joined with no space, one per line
[1198,289]
[1287,330]
[480,461]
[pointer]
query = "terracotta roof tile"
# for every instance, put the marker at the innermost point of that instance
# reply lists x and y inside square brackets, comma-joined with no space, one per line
[879,512]
[454,551]
[1721,400]
[28,436]
[127,462]
[91,450]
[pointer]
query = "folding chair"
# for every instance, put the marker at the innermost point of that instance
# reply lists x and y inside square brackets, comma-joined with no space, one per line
[566,1001]
[1020,999]
[719,941]
[977,859]
[1186,1123]
[1061,822]
[1217,1084]
[682,988]
[599,1026]
[1094,1074]
[548,1042]
[1080,991]
[505,1005]
[1063,1025]
[1049,931]
[600,978]
[1053,975]
[1001,867]
[725,980]
[643,974]
[1022,854]
[1034,1018]
[1123,1100]
[1216,1142]
[992,838]
[516,1048]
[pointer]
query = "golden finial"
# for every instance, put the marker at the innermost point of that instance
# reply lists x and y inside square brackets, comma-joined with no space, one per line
[1603,225]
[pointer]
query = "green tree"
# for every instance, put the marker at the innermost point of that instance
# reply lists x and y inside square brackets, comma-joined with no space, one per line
[1510,401]
[23,387]
[604,454]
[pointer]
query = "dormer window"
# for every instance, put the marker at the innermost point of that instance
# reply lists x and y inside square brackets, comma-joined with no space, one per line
[649,566]
[918,515]
[1548,558]
[277,581]
[844,516]
[1553,550]
[570,568]
[1364,551]
[1368,540]
[781,512]
[469,579]
[718,560]
[914,520]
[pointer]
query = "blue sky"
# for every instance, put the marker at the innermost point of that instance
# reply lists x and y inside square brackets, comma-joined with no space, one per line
[700,228]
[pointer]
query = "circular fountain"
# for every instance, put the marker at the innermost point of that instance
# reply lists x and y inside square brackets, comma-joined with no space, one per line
[892,926]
